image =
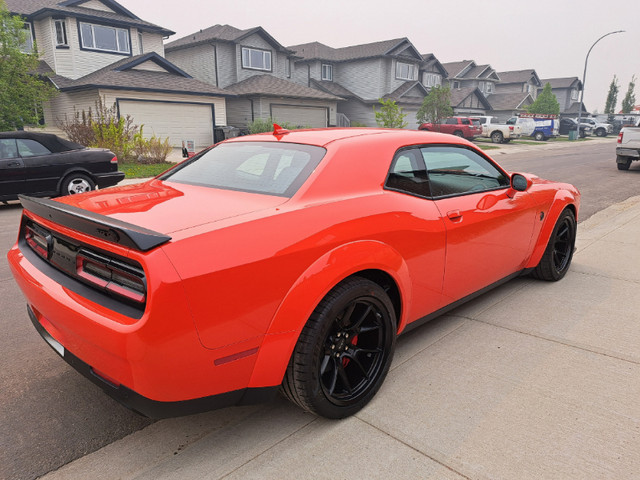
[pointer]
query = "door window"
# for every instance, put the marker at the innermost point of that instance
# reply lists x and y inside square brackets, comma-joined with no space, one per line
[455,171]
[8,148]
[31,148]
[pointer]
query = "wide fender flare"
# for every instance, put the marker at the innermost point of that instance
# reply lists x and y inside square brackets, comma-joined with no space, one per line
[307,292]
[562,200]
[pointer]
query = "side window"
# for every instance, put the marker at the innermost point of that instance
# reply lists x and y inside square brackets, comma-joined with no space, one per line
[455,171]
[466,121]
[451,121]
[408,174]
[31,148]
[8,148]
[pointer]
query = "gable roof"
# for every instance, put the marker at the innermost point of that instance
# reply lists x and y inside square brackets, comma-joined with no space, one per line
[459,95]
[564,82]
[269,85]
[454,69]
[123,75]
[221,33]
[119,16]
[401,94]
[519,76]
[430,60]
[397,47]
[333,88]
[509,101]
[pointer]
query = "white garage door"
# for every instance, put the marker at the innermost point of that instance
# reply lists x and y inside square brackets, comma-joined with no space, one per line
[177,121]
[315,117]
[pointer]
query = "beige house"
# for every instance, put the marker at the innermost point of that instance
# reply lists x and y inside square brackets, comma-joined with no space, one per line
[97,49]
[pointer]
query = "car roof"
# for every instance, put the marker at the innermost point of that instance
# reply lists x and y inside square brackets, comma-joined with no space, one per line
[52,142]
[324,136]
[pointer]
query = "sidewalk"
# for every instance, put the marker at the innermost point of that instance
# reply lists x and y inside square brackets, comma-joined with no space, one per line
[532,380]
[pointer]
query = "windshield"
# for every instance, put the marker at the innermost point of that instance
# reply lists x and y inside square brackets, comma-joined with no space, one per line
[256,167]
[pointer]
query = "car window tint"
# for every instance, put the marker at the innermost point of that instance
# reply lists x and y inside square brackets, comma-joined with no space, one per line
[8,148]
[256,167]
[408,174]
[31,148]
[455,171]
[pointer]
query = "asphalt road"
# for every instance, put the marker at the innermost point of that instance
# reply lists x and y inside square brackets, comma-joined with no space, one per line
[50,415]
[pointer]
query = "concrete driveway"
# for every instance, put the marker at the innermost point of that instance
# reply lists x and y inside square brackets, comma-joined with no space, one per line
[533,380]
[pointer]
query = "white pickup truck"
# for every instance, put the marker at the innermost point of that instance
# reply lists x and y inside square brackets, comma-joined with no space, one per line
[498,132]
[628,148]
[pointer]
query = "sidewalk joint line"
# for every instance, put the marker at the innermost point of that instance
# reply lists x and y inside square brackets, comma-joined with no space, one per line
[415,449]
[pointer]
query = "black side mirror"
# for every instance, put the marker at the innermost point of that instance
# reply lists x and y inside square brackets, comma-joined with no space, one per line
[519,183]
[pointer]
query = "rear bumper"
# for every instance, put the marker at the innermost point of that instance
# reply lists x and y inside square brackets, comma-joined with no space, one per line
[104,180]
[146,406]
[628,152]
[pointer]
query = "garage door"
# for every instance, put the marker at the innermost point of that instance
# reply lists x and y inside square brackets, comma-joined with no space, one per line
[315,117]
[176,121]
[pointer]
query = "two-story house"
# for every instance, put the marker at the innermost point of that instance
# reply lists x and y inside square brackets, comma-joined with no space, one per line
[567,91]
[97,49]
[470,85]
[363,74]
[258,70]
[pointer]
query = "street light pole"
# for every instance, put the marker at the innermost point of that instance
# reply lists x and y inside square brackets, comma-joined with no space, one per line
[584,79]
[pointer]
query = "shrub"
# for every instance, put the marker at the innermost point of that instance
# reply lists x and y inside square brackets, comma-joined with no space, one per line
[261,125]
[152,150]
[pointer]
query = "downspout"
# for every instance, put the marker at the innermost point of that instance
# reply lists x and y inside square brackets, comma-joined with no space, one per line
[309,75]
[215,53]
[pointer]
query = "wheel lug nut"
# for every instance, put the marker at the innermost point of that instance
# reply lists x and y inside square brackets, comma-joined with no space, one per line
[346,335]
[333,347]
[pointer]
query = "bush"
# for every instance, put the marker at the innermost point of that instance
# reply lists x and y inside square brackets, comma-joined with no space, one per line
[262,125]
[152,150]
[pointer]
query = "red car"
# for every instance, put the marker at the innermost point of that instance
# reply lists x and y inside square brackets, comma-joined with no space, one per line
[458,126]
[283,261]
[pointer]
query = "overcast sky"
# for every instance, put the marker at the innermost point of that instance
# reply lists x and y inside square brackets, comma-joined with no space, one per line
[550,36]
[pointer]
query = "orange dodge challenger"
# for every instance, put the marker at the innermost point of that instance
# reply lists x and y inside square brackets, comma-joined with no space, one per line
[287,261]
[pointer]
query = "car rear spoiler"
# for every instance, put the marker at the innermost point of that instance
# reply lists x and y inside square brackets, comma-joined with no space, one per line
[94,224]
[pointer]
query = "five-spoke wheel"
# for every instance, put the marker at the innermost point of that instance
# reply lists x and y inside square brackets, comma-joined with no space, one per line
[559,252]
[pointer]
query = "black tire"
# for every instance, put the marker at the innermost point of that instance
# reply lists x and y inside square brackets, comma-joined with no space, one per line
[506,140]
[583,134]
[556,259]
[344,351]
[458,133]
[76,183]
[623,165]
[497,137]
[601,132]
[539,136]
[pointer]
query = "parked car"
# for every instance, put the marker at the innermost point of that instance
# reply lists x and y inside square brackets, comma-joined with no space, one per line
[280,261]
[496,131]
[569,124]
[45,165]
[600,129]
[628,148]
[458,126]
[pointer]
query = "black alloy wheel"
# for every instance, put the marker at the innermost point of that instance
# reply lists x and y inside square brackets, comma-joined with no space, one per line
[557,257]
[344,352]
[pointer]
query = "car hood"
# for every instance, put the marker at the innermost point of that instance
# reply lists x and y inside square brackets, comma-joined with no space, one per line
[168,207]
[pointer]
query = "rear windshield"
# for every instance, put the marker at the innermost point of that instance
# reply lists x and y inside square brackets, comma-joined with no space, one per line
[256,167]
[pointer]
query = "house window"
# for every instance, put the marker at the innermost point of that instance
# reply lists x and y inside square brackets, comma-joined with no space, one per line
[287,67]
[104,39]
[574,94]
[488,87]
[61,33]
[405,71]
[481,86]
[256,59]
[27,46]
[140,43]
[431,79]
[456,84]
[327,72]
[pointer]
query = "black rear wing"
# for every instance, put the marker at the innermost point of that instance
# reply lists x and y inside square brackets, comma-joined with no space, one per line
[94,224]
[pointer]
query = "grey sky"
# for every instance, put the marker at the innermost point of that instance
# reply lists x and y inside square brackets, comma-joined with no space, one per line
[552,37]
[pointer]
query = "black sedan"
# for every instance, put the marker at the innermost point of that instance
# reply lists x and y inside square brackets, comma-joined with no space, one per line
[44,165]
[568,124]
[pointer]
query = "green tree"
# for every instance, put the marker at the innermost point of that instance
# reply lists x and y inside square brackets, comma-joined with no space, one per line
[22,93]
[629,100]
[390,115]
[612,97]
[435,106]
[546,102]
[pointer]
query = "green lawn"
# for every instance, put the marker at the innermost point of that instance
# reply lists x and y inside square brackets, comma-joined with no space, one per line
[138,170]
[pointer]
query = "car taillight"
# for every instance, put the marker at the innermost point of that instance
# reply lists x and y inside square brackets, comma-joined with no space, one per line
[38,240]
[114,159]
[511,128]
[620,137]
[111,275]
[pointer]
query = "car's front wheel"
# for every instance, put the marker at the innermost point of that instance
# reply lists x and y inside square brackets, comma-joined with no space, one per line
[344,351]
[77,183]
[556,259]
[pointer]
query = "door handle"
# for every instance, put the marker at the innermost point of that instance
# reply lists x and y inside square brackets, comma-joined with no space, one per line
[13,164]
[454,215]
